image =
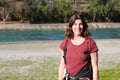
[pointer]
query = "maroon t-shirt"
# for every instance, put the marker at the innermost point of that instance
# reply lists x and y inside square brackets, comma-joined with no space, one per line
[76,58]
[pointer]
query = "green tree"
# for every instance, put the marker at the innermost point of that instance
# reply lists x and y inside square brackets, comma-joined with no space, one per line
[2,2]
[4,11]
[115,13]
[38,12]
[101,10]
[94,9]
[18,10]
[108,10]
[64,10]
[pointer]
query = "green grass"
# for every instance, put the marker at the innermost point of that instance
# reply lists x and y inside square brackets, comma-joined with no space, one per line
[43,68]
[36,68]
[110,74]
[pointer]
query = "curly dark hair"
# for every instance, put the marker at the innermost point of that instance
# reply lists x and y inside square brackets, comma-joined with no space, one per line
[69,33]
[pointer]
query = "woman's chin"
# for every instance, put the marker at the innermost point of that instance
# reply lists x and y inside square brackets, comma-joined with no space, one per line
[77,34]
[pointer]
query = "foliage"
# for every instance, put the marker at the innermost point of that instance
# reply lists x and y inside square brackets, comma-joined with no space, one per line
[2,2]
[40,11]
[94,10]
[64,10]
[102,10]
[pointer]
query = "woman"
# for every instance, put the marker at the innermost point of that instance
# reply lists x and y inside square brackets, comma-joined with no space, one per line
[79,52]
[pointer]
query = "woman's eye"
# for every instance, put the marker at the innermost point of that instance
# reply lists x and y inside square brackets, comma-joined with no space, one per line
[80,24]
[75,23]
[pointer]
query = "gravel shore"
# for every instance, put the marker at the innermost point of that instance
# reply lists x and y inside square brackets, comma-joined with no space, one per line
[109,50]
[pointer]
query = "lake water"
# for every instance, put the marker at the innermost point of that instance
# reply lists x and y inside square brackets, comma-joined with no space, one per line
[37,35]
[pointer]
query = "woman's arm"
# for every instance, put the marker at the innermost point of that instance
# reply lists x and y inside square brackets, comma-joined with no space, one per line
[94,61]
[61,67]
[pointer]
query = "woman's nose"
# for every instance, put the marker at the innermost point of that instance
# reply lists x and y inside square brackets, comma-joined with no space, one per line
[79,26]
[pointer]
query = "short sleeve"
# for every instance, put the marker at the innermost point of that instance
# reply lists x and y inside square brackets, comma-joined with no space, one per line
[62,45]
[93,46]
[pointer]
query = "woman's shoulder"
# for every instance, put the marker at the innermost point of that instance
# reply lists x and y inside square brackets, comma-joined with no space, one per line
[66,39]
[90,39]
[63,43]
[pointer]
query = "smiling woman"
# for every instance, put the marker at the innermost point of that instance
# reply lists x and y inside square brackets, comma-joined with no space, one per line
[79,52]
[77,27]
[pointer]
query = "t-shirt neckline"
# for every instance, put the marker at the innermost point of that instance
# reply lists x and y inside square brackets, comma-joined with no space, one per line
[78,44]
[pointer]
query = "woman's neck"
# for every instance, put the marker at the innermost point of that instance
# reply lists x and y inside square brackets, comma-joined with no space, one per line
[78,40]
[77,37]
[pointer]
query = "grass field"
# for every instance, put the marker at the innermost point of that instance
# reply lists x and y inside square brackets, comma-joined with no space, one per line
[43,68]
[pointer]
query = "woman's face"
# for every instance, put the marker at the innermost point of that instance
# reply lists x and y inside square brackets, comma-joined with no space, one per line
[77,27]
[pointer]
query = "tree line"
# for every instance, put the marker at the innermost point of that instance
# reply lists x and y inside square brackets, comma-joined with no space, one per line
[56,11]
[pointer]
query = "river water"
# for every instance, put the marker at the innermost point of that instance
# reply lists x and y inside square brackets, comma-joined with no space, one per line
[38,35]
